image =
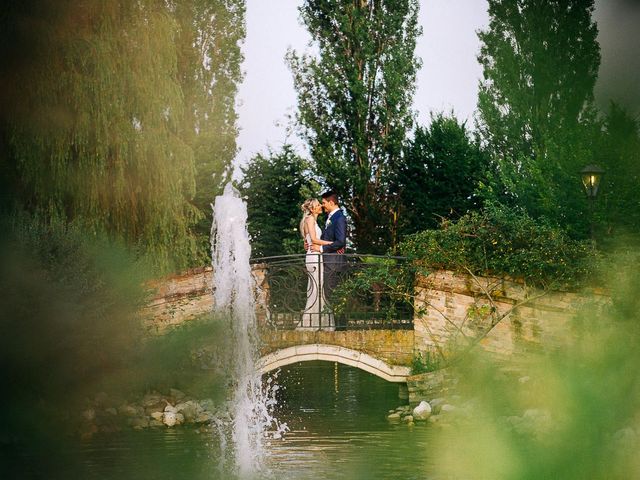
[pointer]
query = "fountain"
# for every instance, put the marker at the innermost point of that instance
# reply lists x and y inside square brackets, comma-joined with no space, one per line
[252,404]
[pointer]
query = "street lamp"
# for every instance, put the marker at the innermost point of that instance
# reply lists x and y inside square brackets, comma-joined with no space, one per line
[591,176]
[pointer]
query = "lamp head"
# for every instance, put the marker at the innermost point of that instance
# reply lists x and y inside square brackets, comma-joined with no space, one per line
[591,176]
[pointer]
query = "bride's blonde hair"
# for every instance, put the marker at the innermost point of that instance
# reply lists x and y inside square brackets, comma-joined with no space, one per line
[307,210]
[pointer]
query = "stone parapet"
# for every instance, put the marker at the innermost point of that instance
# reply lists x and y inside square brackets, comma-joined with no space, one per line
[452,308]
[185,296]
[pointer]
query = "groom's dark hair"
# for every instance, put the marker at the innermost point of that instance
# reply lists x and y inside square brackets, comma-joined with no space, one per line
[331,196]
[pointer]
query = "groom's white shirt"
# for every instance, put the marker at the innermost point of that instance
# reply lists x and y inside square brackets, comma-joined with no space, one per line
[327,223]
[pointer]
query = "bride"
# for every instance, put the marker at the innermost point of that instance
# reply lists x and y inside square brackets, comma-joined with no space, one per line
[313,317]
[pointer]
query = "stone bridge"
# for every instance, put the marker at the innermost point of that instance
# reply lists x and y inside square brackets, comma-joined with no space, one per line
[447,305]
[385,353]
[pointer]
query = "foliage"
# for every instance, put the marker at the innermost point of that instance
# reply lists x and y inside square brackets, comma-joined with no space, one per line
[574,418]
[68,324]
[381,288]
[274,187]
[536,111]
[193,357]
[438,175]
[618,205]
[108,106]
[503,241]
[209,57]
[354,100]
[425,362]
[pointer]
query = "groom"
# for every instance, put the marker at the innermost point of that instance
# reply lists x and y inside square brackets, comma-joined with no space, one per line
[333,258]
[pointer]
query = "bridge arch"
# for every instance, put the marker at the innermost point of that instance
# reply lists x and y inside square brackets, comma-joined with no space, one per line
[333,353]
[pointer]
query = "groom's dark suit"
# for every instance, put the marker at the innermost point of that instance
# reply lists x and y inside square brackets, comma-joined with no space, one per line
[333,259]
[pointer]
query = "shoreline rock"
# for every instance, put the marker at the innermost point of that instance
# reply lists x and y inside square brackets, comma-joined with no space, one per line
[153,410]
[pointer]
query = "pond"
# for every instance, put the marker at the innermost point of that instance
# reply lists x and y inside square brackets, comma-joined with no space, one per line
[336,415]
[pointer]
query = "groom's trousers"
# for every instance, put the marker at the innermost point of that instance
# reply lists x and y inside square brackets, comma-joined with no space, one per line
[335,266]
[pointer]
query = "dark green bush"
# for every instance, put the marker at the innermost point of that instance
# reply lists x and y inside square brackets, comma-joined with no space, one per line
[505,241]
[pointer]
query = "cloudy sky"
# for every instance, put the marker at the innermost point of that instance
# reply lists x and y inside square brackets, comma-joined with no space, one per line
[450,72]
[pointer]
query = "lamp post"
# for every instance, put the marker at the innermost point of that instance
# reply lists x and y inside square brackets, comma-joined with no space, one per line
[591,176]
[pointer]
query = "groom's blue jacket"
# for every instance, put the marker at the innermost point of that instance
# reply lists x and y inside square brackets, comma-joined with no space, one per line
[336,233]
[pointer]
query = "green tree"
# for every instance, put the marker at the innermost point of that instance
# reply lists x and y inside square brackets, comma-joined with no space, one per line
[209,36]
[274,187]
[619,203]
[440,172]
[101,103]
[536,113]
[354,103]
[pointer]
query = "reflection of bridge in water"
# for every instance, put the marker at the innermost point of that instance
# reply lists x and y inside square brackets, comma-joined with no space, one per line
[369,305]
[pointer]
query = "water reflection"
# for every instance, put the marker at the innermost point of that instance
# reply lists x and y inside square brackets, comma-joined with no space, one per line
[338,431]
[338,428]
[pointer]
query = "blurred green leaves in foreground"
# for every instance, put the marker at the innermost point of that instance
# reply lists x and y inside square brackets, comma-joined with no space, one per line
[70,329]
[573,414]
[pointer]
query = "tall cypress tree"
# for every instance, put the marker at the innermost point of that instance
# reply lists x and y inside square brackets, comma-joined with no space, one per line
[540,61]
[354,102]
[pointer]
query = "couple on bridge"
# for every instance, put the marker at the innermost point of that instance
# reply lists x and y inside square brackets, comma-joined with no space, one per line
[324,260]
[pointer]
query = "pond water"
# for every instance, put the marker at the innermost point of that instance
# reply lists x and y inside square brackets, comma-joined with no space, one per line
[336,415]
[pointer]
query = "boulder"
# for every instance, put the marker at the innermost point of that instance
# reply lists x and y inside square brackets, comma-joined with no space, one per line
[394,417]
[422,411]
[189,409]
[155,407]
[152,399]
[179,419]
[127,410]
[203,417]
[157,415]
[169,418]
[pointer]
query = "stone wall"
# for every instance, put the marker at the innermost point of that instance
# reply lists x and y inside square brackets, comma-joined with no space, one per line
[395,347]
[185,296]
[427,386]
[177,298]
[448,304]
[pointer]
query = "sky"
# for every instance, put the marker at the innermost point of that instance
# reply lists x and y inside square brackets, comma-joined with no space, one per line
[447,81]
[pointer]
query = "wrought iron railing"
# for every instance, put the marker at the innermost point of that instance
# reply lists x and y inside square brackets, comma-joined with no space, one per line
[337,292]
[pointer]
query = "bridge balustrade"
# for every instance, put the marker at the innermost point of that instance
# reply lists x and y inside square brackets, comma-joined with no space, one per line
[358,292]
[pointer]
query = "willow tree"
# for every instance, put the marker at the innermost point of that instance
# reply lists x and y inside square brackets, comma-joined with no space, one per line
[354,100]
[540,62]
[209,36]
[98,129]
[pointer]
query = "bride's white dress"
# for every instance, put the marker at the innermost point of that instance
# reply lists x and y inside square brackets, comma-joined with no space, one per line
[315,315]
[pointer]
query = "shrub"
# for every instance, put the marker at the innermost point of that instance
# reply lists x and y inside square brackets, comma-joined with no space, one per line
[504,241]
